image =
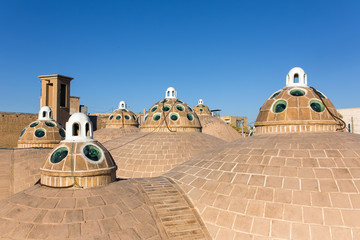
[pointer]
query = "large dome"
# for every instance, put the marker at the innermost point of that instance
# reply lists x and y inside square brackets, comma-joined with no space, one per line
[297,108]
[283,186]
[171,115]
[44,132]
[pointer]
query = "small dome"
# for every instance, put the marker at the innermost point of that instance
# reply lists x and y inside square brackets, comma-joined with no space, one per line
[202,109]
[43,133]
[171,114]
[79,160]
[296,108]
[122,118]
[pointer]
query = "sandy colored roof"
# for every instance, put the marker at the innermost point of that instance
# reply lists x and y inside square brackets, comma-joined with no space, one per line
[41,133]
[202,109]
[216,127]
[152,154]
[302,113]
[291,186]
[122,118]
[136,209]
[171,114]
[107,134]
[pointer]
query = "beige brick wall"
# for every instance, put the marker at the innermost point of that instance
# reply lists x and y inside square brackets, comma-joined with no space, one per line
[11,125]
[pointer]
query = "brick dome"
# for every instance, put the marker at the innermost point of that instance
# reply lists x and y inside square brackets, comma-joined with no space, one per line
[43,133]
[283,186]
[171,114]
[201,108]
[122,118]
[296,108]
[79,160]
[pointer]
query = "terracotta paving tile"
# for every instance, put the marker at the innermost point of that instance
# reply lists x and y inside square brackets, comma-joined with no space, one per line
[341,233]
[300,231]
[274,210]
[261,226]
[309,185]
[320,199]
[274,181]
[225,234]
[243,223]
[347,186]
[225,219]
[293,213]
[210,214]
[332,217]
[255,208]
[328,185]
[351,217]
[312,215]
[266,194]
[340,200]
[257,180]
[280,229]
[320,232]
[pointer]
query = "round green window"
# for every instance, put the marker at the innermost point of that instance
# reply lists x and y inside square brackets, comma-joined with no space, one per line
[177,100]
[166,108]
[279,106]
[201,109]
[275,94]
[174,116]
[180,107]
[156,117]
[135,117]
[124,110]
[50,124]
[62,132]
[190,116]
[317,106]
[40,132]
[127,117]
[320,93]
[146,117]
[59,155]
[154,108]
[297,92]
[164,101]
[111,117]
[190,108]
[92,152]
[118,117]
[22,132]
[34,124]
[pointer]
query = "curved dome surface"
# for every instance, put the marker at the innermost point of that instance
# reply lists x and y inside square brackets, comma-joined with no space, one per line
[202,109]
[283,186]
[171,114]
[122,118]
[296,108]
[216,127]
[107,134]
[152,154]
[41,133]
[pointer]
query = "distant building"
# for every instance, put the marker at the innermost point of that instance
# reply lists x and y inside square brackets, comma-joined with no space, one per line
[351,116]
[235,121]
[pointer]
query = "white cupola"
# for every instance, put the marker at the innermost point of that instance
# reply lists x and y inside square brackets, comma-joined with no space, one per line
[79,128]
[170,93]
[201,101]
[45,113]
[296,78]
[122,105]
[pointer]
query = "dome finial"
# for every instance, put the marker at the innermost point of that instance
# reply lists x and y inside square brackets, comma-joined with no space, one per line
[201,101]
[45,113]
[170,93]
[79,128]
[122,105]
[296,78]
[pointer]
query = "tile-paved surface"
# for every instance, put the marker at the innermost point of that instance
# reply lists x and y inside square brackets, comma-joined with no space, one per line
[297,113]
[152,154]
[285,186]
[107,134]
[136,209]
[216,127]
[175,213]
[19,169]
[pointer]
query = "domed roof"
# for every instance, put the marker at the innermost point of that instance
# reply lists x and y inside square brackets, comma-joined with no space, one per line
[201,108]
[44,132]
[152,154]
[171,114]
[297,108]
[122,118]
[288,186]
[79,160]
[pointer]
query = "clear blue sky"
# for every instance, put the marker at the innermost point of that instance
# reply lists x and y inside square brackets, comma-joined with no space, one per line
[232,54]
